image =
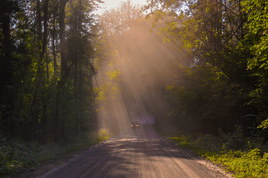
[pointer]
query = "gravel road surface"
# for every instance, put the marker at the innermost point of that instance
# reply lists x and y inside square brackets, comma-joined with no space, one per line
[138,153]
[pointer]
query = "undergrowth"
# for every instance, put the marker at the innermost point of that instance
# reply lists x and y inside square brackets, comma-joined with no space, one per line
[17,155]
[245,157]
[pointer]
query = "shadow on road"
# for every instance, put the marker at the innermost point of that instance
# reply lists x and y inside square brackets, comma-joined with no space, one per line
[134,153]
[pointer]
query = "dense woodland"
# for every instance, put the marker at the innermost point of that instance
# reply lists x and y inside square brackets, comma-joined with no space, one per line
[46,69]
[52,52]
[200,67]
[224,85]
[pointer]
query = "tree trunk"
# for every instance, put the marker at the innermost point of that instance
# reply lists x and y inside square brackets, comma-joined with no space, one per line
[62,37]
[8,93]
[59,120]
[54,39]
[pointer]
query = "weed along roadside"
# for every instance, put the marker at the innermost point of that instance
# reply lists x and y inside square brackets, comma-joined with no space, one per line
[17,156]
[250,160]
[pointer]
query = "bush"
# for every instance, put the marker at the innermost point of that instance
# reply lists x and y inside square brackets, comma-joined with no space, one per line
[245,159]
[209,143]
[234,141]
[16,155]
[103,134]
[244,164]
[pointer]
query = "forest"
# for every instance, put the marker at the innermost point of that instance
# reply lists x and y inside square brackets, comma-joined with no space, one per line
[189,67]
[46,69]
[223,81]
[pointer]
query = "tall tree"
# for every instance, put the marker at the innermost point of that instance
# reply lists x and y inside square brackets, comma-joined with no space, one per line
[59,121]
[214,33]
[38,68]
[256,42]
[8,8]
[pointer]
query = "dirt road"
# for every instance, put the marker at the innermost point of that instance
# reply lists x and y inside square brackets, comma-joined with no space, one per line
[139,153]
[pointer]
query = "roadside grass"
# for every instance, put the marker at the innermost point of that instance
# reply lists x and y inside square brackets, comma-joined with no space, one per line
[17,156]
[248,161]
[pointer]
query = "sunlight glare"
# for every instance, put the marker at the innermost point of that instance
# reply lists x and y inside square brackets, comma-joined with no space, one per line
[111,4]
[145,65]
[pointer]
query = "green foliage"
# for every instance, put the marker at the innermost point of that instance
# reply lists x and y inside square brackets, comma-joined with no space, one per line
[107,91]
[257,25]
[103,134]
[200,99]
[251,163]
[223,82]
[208,143]
[182,141]
[256,41]
[264,124]
[234,141]
[42,99]
[16,156]
[243,162]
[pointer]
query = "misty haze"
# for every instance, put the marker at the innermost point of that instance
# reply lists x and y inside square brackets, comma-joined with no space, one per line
[168,89]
